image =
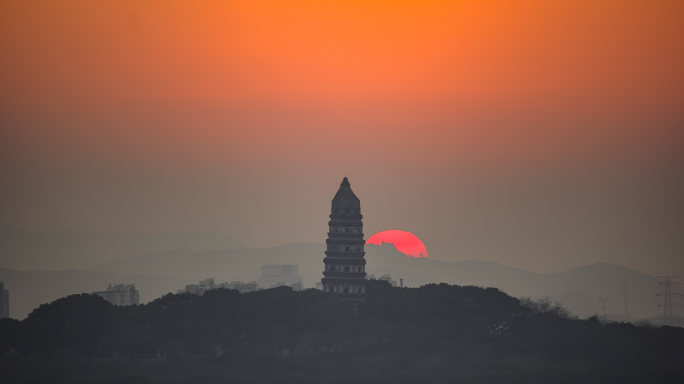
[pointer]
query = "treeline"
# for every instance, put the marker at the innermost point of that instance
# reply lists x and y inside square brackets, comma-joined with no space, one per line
[435,333]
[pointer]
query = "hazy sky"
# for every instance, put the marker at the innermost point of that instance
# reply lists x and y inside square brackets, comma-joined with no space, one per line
[539,134]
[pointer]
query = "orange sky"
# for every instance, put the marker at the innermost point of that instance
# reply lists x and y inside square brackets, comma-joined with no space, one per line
[144,92]
[392,65]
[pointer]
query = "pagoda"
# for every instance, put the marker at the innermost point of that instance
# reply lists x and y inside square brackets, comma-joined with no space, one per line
[345,266]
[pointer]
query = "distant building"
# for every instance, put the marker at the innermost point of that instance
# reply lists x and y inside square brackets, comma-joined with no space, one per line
[296,286]
[319,286]
[4,301]
[388,279]
[278,275]
[120,294]
[208,285]
[199,289]
[240,286]
[345,265]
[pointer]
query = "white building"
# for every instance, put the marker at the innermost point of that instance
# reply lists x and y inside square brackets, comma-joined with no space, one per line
[278,275]
[296,286]
[199,289]
[388,279]
[120,294]
[241,286]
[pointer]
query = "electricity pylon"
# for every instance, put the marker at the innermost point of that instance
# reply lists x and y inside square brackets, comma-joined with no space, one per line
[667,298]
[625,287]
[604,307]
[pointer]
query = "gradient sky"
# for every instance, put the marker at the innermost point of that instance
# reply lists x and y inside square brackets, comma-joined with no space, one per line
[538,134]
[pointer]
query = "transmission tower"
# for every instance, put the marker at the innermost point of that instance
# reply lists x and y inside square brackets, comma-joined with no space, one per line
[625,287]
[604,307]
[667,298]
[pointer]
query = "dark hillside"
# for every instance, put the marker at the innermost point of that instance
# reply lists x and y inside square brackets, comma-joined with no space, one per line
[577,289]
[28,290]
[435,333]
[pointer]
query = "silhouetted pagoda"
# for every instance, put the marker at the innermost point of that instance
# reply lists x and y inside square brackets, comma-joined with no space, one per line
[345,267]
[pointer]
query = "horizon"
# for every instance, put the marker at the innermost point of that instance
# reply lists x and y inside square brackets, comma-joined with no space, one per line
[247,246]
[160,273]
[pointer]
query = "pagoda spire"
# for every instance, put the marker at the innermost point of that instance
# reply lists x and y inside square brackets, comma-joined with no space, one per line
[345,265]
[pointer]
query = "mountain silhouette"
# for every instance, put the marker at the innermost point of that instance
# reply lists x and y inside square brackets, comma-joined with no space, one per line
[577,288]
[158,273]
[25,249]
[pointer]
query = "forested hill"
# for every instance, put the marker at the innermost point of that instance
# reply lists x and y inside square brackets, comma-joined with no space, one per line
[435,333]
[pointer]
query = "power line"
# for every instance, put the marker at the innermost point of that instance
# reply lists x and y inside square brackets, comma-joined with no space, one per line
[667,298]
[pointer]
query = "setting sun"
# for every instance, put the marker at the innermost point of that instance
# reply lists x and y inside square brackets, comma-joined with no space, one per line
[405,242]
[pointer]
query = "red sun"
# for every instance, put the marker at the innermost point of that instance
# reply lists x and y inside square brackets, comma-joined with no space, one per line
[405,242]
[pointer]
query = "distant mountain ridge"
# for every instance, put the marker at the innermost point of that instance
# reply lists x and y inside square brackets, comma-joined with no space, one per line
[161,272]
[25,249]
[216,263]
[578,288]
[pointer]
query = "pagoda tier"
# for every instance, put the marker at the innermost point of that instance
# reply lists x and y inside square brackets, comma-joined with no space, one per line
[345,266]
